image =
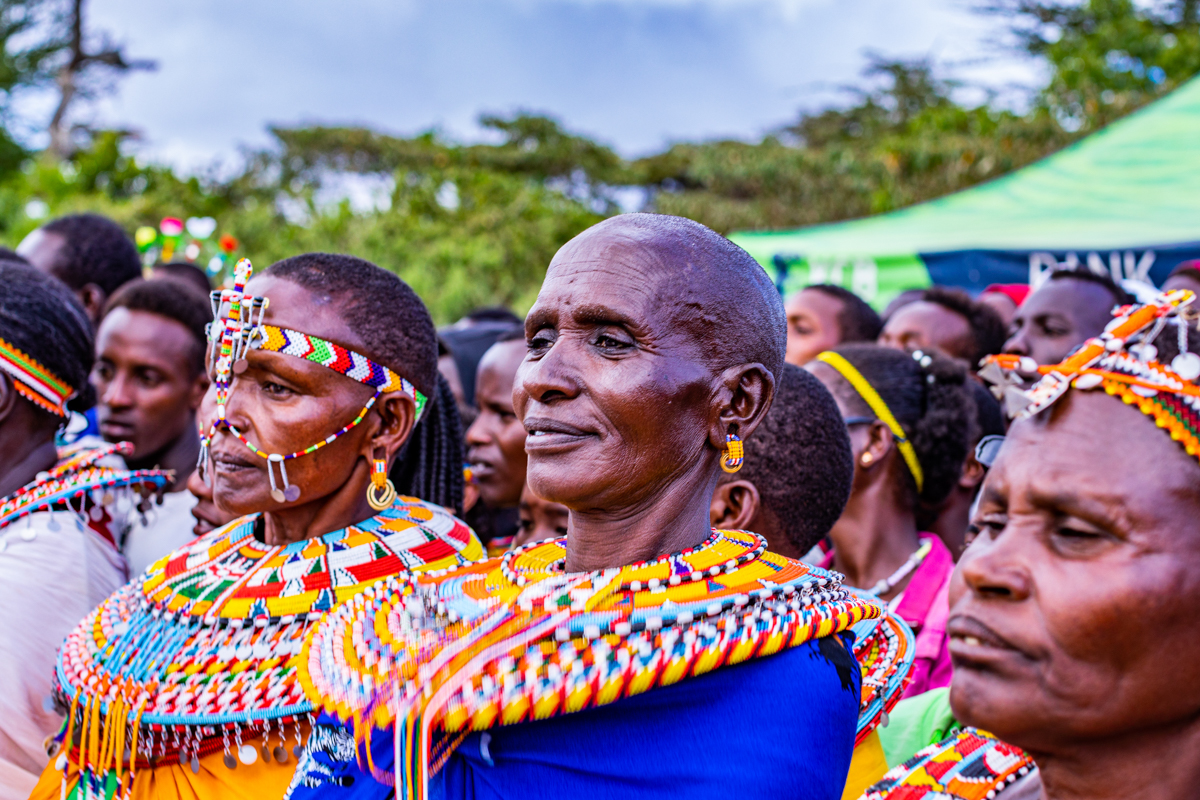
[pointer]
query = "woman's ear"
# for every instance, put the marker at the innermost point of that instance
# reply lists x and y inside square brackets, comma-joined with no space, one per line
[734,506]
[879,444]
[397,414]
[741,402]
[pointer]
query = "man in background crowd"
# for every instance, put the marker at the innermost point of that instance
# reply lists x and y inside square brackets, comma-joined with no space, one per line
[150,379]
[87,252]
[823,316]
[1005,299]
[1070,307]
[496,439]
[949,321]
[182,271]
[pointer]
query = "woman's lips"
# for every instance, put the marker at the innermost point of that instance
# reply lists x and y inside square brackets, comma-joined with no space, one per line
[543,435]
[971,640]
[230,462]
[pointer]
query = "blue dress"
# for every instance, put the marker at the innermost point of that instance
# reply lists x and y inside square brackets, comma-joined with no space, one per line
[776,727]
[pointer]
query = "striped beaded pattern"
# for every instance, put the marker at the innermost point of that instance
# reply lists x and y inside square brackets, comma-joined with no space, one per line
[207,640]
[74,480]
[970,765]
[518,639]
[33,381]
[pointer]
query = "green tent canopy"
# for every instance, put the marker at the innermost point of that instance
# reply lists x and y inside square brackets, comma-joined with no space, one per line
[1124,201]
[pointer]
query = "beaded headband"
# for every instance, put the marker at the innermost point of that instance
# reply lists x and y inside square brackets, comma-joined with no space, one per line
[1121,360]
[871,397]
[34,382]
[238,331]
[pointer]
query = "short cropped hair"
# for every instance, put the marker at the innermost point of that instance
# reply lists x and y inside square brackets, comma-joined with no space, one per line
[857,321]
[183,271]
[800,459]
[173,299]
[95,250]
[726,288]
[988,331]
[1120,296]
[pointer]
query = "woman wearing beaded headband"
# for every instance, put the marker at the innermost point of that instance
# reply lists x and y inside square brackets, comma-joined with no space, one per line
[183,682]
[644,651]
[908,416]
[59,512]
[1073,627]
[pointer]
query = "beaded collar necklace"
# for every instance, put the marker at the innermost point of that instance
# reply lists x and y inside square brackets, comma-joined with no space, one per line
[238,331]
[201,650]
[518,639]
[1122,362]
[77,480]
[34,382]
[969,765]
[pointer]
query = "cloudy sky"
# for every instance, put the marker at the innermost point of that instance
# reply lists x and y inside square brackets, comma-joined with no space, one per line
[636,74]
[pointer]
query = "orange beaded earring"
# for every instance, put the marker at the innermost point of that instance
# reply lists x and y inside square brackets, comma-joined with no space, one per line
[735,453]
[381,493]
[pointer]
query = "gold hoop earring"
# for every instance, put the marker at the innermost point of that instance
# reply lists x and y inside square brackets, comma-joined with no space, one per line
[735,453]
[381,492]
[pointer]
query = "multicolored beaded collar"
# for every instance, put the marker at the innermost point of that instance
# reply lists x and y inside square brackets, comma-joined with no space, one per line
[202,649]
[237,331]
[77,482]
[34,382]
[970,765]
[518,638]
[1121,361]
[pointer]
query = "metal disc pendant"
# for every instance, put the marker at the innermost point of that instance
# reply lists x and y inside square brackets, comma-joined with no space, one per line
[247,754]
[281,755]
[277,496]
[297,750]
[195,765]
[266,751]
[230,761]
[291,493]
[1186,366]
[240,366]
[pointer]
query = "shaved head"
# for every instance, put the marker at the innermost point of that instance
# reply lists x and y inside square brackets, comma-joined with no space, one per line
[718,294]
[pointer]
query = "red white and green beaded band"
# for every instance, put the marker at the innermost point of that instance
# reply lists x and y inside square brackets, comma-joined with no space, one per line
[34,382]
[237,331]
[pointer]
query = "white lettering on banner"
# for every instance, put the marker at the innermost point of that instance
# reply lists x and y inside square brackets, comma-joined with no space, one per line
[1121,266]
[864,281]
[863,274]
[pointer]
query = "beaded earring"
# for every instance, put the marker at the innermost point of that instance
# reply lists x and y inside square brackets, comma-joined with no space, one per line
[735,453]
[380,483]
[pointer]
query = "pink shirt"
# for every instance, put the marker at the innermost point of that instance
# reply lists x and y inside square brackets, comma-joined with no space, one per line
[925,607]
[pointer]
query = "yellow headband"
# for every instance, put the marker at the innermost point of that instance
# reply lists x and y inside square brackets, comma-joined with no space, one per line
[867,392]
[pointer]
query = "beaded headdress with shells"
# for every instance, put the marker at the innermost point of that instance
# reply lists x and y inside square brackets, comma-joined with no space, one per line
[1123,362]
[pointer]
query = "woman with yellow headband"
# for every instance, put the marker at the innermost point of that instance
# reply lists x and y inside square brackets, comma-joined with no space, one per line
[908,416]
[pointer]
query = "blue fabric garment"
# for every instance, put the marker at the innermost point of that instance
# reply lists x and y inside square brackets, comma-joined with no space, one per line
[775,727]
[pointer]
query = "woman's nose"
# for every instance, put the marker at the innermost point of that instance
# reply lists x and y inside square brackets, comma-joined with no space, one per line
[555,375]
[997,568]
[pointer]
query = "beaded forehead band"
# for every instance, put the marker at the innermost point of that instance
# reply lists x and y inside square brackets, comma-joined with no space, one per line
[1122,361]
[34,382]
[241,329]
[871,397]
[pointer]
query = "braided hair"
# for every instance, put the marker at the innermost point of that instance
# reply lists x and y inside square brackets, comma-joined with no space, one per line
[928,395]
[430,465]
[396,331]
[42,318]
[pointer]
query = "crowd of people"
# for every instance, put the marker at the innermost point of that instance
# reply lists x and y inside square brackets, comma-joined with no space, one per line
[670,533]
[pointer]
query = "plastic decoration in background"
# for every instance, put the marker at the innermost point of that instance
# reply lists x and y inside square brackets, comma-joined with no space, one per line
[177,240]
[1123,361]
[518,639]
[199,654]
[970,765]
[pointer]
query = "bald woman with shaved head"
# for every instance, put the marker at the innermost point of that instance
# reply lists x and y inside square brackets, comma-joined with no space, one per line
[645,654]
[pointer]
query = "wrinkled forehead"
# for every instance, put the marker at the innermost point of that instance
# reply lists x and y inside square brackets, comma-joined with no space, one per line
[296,308]
[647,280]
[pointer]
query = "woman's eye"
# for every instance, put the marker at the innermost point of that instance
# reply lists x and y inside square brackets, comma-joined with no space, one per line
[541,340]
[525,524]
[272,388]
[609,341]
